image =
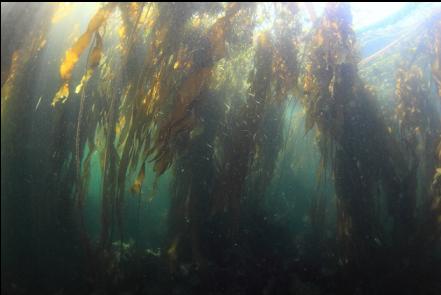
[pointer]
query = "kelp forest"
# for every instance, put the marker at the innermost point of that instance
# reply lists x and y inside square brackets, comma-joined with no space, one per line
[219,148]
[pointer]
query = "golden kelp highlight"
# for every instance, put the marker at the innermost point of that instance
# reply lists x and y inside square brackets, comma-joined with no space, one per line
[200,69]
[73,54]
[92,62]
[137,184]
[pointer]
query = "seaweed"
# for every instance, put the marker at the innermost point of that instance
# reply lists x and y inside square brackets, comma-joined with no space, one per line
[348,125]
[73,54]
[201,104]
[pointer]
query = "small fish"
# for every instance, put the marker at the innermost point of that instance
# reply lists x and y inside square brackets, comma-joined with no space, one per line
[38,103]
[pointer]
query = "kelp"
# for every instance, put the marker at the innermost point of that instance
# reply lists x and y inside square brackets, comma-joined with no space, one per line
[194,173]
[229,188]
[137,184]
[418,124]
[344,112]
[285,72]
[332,49]
[71,58]
[332,44]
[434,31]
[92,62]
[211,48]
[98,113]
[187,139]
[73,54]
[24,43]
[435,53]
[240,147]
[172,94]
[141,104]
[420,131]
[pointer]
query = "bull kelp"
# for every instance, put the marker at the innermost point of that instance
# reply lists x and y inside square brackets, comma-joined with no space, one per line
[220,148]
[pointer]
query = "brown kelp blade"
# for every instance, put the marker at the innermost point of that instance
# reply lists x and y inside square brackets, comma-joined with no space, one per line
[137,184]
[74,53]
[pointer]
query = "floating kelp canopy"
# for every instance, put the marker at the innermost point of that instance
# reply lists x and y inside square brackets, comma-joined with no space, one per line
[217,148]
